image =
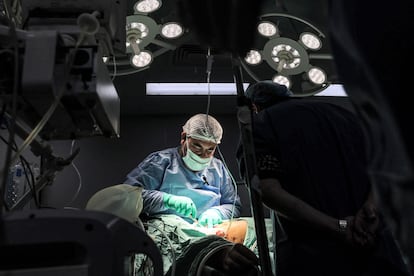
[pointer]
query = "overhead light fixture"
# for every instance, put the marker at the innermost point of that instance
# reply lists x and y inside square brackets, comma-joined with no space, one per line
[267,29]
[188,89]
[143,59]
[295,59]
[311,41]
[171,30]
[285,55]
[334,90]
[141,30]
[146,39]
[317,75]
[253,57]
[282,80]
[147,6]
[136,32]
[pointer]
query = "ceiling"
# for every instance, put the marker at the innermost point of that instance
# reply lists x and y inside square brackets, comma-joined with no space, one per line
[184,59]
[220,28]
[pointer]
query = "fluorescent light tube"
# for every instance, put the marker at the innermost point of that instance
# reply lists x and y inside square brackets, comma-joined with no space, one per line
[169,89]
[189,89]
[335,90]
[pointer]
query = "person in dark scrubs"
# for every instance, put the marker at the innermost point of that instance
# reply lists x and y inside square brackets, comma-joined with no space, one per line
[312,164]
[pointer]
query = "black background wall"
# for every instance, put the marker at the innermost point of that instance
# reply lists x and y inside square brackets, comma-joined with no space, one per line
[103,162]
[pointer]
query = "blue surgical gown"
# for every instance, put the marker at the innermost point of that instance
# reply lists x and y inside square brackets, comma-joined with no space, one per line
[164,172]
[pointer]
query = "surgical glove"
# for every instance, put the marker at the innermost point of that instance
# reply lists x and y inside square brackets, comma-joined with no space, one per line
[182,204]
[210,218]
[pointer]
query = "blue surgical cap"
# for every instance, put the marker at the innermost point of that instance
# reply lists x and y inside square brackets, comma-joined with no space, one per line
[266,93]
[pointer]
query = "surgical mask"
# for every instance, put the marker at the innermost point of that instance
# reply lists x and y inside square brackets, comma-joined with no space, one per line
[195,162]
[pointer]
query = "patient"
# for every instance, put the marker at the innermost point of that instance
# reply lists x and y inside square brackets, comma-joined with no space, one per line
[124,201]
[185,246]
[225,247]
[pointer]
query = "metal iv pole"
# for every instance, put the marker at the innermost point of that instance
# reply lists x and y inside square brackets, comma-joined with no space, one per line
[244,117]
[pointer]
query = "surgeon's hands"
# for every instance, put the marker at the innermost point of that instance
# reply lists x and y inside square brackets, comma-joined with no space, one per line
[182,204]
[210,218]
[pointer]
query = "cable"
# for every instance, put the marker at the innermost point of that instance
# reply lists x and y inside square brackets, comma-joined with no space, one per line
[31,182]
[27,169]
[78,173]
[173,265]
[208,71]
[36,130]
[235,188]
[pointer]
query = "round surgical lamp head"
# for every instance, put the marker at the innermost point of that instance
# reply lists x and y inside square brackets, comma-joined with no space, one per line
[280,79]
[286,55]
[267,29]
[317,75]
[143,59]
[253,57]
[141,30]
[310,41]
[136,32]
[171,30]
[147,6]
[289,54]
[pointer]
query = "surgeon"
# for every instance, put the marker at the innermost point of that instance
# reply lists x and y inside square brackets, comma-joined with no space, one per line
[188,180]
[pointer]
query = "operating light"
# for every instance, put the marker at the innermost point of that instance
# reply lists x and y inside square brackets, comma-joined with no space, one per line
[285,56]
[253,57]
[141,29]
[143,59]
[267,29]
[147,6]
[290,51]
[317,75]
[145,34]
[311,41]
[171,30]
[282,80]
